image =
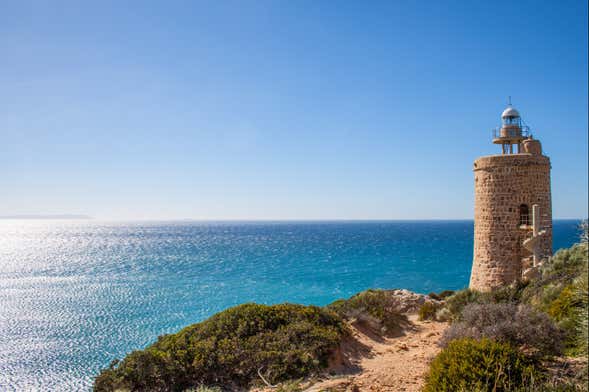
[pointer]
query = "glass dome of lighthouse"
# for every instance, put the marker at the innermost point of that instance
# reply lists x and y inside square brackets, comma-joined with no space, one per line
[510,116]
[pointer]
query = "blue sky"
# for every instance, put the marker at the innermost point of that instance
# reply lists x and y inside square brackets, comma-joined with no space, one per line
[281,110]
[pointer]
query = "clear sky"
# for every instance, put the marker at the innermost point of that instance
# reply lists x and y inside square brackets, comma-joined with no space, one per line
[281,109]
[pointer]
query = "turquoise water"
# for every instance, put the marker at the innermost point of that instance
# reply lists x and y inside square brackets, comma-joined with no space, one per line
[75,294]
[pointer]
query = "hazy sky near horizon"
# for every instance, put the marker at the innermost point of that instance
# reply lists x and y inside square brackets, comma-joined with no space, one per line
[281,109]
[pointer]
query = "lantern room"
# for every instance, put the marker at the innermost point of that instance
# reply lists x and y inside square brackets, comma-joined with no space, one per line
[511,133]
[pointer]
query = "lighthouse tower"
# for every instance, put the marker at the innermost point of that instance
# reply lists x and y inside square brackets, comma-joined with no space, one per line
[513,208]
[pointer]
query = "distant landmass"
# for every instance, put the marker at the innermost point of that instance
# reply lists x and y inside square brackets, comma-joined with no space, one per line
[46,216]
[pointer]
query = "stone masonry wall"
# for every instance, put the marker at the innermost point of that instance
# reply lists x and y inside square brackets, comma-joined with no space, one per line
[502,184]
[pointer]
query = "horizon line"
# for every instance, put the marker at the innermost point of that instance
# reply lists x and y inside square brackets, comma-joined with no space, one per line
[74,217]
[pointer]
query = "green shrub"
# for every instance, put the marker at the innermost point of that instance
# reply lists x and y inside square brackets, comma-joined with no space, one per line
[557,273]
[581,313]
[518,325]
[202,388]
[456,302]
[565,306]
[141,370]
[581,316]
[507,294]
[428,310]
[435,296]
[280,341]
[441,295]
[551,293]
[559,293]
[483,365]
[445,294]
[289,386]
[375,309]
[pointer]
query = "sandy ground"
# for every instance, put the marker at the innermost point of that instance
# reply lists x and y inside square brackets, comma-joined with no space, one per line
[374,363]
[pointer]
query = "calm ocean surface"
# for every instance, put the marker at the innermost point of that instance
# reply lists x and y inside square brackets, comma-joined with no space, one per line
[76,294]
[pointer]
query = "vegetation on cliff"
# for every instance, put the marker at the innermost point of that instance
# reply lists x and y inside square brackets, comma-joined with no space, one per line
[252,344]
[232,348]
[480,365]
[539,319]
[560,293]
[521,326]
[377,310]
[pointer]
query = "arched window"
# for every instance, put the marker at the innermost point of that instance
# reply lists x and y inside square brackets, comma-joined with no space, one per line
[524,215]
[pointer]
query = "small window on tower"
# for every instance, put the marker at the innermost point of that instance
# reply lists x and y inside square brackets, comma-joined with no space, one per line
[524,215]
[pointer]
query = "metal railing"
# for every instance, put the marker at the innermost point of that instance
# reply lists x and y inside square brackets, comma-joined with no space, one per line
[511,132]
[525,222]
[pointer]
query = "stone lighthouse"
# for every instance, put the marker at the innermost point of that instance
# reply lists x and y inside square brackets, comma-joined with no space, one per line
[513,209]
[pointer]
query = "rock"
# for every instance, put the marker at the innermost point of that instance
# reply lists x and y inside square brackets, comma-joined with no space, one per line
[531,273]
[408,301]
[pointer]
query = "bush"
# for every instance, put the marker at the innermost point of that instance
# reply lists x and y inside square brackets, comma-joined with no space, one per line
[280,341]
[559,272]
[559,293]
[428,310]
[375,309]
[140,370]
[456,302]
[480,365]
[564,306]
[507,294]
[289,386]
[443,315]
[435,296]
[581,316]
[202,388]
[445,294]
[441,295]
[520,326]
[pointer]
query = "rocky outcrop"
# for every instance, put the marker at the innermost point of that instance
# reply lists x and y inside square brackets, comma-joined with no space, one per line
[407,301]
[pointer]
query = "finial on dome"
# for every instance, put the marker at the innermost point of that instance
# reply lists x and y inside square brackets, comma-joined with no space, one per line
[509,111]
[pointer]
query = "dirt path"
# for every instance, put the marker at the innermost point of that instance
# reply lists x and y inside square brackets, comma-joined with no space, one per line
[394,364]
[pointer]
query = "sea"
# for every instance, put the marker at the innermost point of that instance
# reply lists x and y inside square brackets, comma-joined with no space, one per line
[74,295]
